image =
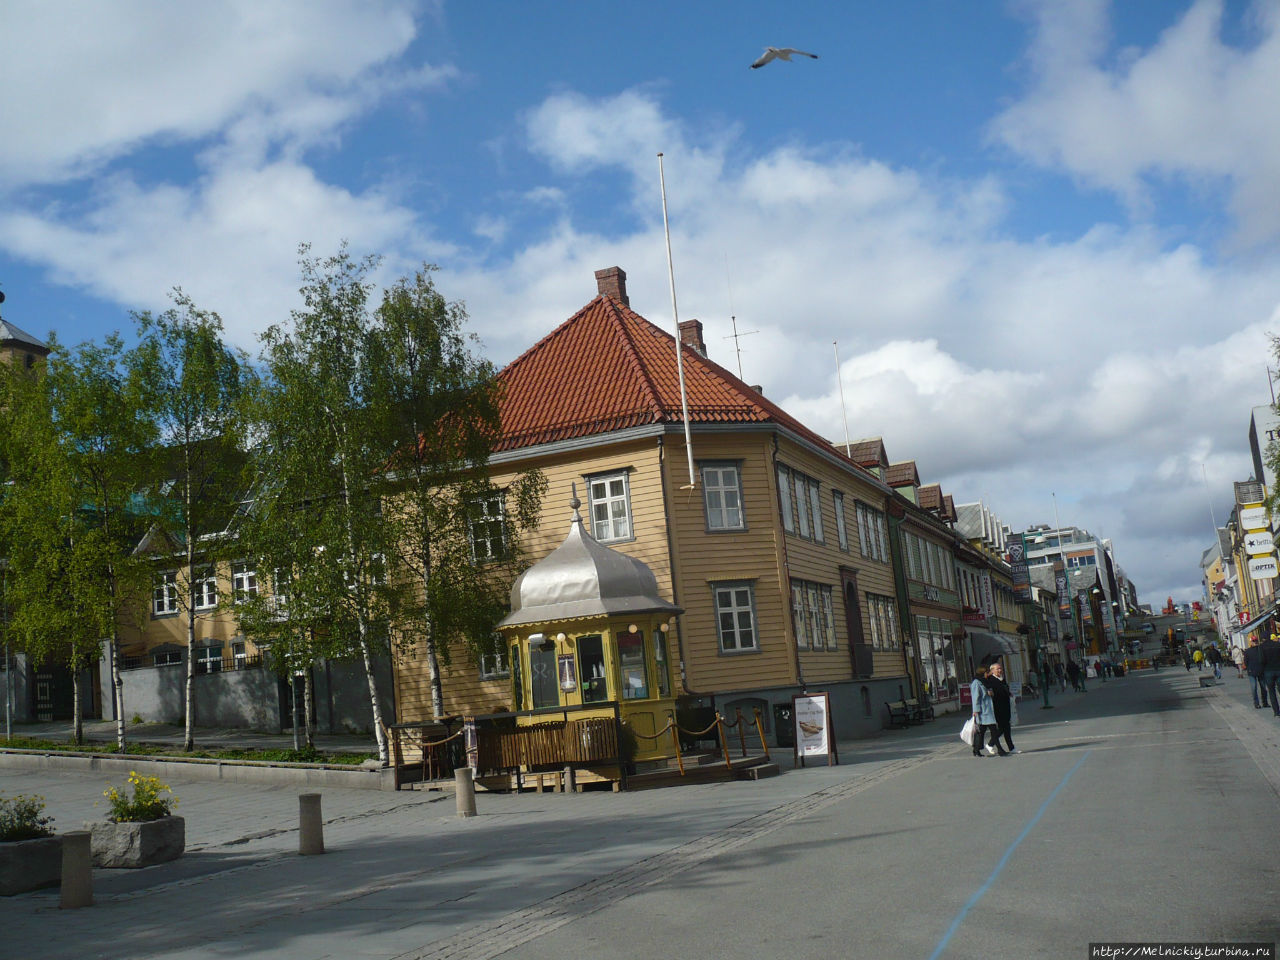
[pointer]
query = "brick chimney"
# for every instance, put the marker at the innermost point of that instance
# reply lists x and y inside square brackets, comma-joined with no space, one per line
[691,335]
[612,282]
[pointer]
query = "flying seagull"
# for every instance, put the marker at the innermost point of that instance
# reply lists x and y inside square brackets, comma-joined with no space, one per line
[780,53]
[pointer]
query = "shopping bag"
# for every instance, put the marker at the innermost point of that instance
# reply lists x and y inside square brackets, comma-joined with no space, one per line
[968,731]
[1013,714]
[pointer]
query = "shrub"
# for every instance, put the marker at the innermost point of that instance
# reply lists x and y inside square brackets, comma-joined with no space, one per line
[146,802]
[20,819]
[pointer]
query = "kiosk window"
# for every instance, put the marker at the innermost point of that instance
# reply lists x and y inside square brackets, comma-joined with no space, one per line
[664,668]
[635,682]
[595,687]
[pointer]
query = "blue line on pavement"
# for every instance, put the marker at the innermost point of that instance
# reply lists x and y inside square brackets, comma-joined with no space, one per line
[955,924]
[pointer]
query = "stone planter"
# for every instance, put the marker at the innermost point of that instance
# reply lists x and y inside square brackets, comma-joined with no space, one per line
[137,844]
[30,864]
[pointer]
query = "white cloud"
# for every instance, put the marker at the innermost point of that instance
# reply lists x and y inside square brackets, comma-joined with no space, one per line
[166,72]
[1190,107]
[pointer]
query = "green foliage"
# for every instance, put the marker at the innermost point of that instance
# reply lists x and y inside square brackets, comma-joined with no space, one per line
[20,819]
[147,801]
[306,755]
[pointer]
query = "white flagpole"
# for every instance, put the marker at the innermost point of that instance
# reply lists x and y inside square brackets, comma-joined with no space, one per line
[675,313]
[835,346]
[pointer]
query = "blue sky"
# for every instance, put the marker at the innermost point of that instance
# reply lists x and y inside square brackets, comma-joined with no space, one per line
[1043,234]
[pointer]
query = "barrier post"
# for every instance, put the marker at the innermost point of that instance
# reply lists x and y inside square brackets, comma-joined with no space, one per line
[465,792]
[310,825]
[77,870]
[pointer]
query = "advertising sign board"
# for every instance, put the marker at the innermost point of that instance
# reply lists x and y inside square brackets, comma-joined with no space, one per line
[1259,543]
[1263,568]
[812,717]
[1254,518]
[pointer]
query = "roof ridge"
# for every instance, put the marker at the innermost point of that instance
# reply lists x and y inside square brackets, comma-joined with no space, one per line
[633,358]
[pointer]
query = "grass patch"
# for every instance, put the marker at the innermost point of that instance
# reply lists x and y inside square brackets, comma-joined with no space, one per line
[305,755]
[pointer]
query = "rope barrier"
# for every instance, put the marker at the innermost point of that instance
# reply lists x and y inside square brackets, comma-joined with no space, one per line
[655,736]
[440,743]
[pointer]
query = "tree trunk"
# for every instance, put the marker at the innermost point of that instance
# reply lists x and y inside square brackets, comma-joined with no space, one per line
[77,711]
[309,699]
[117,692]
[189,691]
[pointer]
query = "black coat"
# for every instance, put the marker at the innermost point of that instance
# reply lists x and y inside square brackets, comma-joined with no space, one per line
[1253,661]
[1000,696]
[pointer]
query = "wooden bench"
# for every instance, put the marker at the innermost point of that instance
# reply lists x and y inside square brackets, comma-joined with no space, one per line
[926,709]
[899,713]
[916,713]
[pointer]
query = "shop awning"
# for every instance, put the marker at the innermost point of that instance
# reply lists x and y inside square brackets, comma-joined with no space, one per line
[1246,627]
[989,647]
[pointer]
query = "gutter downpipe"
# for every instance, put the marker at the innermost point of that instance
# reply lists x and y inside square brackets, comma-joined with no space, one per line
[785,585]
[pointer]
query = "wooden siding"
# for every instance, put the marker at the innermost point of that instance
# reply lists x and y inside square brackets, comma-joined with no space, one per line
[464,690]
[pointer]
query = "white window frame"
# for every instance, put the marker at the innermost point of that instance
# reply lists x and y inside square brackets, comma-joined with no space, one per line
[206,662]
[481,527]
[842,527]
[494,664]
[729,590]
[607,530]
[204,589]
[784,499]
[164,594]
[871,533]
[244,581]
[723,516]
[799,619]
[239,654]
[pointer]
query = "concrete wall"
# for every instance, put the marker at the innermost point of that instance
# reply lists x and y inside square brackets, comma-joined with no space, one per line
[254,698]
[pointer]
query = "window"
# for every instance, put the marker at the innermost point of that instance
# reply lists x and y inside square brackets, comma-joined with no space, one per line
[209,659]
[631,664]
[239,656]
[164,596]
[735,616]
[488,529]
[244,581]
[815,509]
[595,686]
[722,496]
[800,500]
[784,499]
[871,533]
[204,590]
[660,662]
[813,615]
[542,676]
[493,660]
[610,498]
[166,657]
[842,530]
[884,623]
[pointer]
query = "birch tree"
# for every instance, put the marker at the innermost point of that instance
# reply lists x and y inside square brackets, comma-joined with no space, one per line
[199,387]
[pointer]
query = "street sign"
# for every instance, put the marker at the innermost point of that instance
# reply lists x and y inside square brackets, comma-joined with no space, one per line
[1259,543]
[1254,518]
[1263,568]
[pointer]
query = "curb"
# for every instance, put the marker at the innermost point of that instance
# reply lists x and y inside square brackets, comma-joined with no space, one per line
[205,769]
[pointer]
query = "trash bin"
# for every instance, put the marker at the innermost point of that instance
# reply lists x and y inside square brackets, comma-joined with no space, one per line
[784,729]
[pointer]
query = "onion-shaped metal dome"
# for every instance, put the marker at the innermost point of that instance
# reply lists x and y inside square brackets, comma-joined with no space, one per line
[584,578]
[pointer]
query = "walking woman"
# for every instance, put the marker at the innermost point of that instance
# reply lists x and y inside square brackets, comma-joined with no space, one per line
[984,714]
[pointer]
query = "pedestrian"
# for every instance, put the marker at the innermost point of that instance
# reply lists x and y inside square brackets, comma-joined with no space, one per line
[1186,658]
[1215,660]
[1271,670]
[1198,657]
[1073,674]
[984,714]
[1237,657]
[1061,675]
[1002,702]
[1253,667]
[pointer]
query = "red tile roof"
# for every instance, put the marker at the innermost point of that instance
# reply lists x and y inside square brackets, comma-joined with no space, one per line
[607,368]
[930,497]
[902,474]
[869,453]
[949,508]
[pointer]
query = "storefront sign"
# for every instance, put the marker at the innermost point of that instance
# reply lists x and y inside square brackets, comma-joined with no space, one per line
[1263,568]
[988,595]
[1254,518]
[1064,590]
[814,737]
[1259,543]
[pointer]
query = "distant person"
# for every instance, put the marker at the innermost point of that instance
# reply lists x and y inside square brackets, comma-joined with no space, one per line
[1186,658]
[1002,703]
[1215,660]
[1073,674]
[1271,670]
[1198,658]
[1237,657]
[1253,667]
[1061,675]
[984,714]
